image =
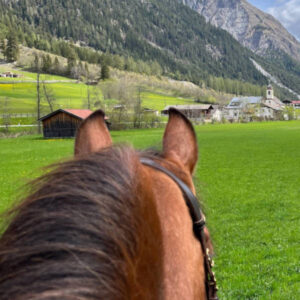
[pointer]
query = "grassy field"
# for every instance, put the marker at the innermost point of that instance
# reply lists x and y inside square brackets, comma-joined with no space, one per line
[160,101]
[28,76]
[248,179]
[22,97]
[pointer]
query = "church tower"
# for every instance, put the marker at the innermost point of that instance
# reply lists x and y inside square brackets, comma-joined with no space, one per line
[270,92]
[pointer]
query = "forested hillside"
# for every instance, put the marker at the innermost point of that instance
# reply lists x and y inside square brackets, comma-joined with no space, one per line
[283,67]
[167,32]
[154,37]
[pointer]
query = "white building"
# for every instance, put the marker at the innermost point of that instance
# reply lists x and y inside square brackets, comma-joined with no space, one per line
[216,114]
[296,104]
[249,108]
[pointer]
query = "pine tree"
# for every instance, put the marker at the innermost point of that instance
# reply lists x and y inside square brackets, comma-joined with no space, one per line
[105,72]
[86,68]
[37,63]
[3,46]
[46,63]
[56,66]
[72,57]
[12,47]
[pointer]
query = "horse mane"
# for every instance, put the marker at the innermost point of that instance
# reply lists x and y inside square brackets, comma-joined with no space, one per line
[76,236]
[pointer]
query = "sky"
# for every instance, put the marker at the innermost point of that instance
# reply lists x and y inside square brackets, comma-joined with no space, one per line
[285,11]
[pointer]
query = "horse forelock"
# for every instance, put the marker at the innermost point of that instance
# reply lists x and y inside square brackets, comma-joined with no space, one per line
[79,233]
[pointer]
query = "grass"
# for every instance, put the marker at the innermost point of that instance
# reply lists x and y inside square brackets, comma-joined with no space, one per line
[28,76]
[248,180]
[159,101]
[19,120]
[22,95]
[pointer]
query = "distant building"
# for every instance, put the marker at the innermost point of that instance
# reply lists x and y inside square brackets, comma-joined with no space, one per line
[295,104]
[287,102]
[193,111]
[272,100]
[270,92]
[216,113]
[9,75]
[241,106]
[119,107]
[63,123]
[149,111]
[247,108]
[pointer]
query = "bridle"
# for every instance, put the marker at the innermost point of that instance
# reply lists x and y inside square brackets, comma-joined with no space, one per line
[198,226]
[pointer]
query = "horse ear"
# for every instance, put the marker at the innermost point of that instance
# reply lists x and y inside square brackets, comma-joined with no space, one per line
[92,134]
[179,141]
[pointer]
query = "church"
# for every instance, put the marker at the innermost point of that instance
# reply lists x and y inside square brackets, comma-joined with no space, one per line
[254,108]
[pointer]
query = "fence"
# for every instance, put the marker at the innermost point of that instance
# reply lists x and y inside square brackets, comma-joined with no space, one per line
[20,115]
[17,126]
[134,125]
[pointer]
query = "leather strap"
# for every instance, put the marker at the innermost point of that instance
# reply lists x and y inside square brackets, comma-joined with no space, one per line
[198,223]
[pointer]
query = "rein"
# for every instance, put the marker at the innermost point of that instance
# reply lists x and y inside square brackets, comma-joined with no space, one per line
[198,226]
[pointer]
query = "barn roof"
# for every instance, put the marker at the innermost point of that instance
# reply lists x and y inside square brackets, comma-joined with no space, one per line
[240,102]
[81,113]
[77,113]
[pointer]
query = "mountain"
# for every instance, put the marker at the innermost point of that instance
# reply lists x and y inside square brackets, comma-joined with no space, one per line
[278,52]
[256,30]
[166,31]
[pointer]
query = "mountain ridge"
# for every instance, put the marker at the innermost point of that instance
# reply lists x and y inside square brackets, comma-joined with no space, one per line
[254,29]
[167,32]
[175,36]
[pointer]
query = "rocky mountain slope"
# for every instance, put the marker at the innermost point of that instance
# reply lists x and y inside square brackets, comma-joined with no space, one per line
[256,30]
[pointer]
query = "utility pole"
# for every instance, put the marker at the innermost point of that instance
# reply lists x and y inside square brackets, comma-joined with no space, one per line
[38,101]
[88,96]
[37,65]
[138,109]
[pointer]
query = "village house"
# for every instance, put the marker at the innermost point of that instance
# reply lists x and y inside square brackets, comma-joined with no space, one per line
[249,108]
[193,111]
[293,112]
[10,75]
[149,111]
[217,113]
[292,103]
[295,104]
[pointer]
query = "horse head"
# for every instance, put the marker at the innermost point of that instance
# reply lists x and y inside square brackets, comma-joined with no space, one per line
[112,223]
[182,255]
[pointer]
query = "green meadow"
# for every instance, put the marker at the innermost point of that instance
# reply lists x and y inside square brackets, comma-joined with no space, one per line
[28,76]
[159,101]
[21,94]
[248,180]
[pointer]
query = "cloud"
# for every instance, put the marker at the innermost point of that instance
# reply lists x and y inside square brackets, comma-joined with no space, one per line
[288,13]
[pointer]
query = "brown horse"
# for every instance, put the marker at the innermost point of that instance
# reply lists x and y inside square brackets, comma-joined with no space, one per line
[105,226]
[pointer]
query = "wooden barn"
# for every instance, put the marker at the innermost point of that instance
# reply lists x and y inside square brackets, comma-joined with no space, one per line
[192,111]
[63,123]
